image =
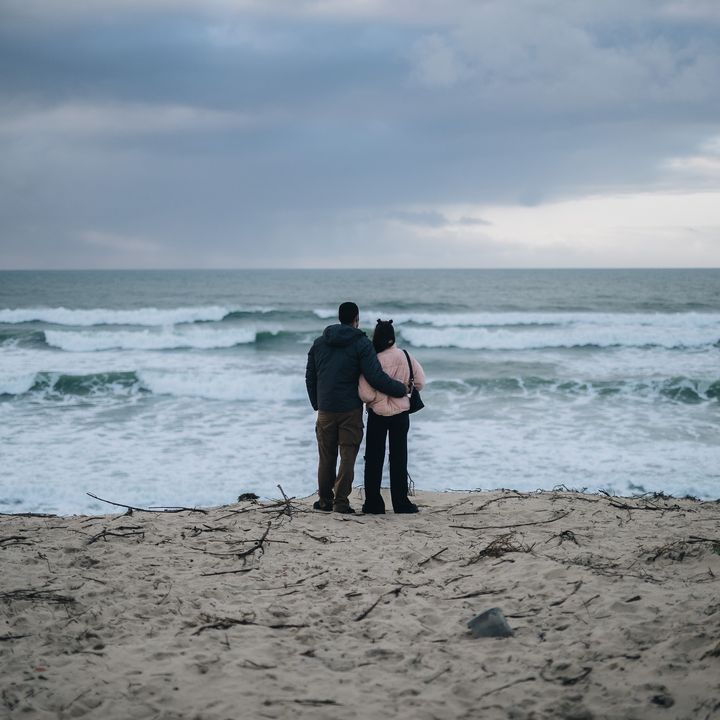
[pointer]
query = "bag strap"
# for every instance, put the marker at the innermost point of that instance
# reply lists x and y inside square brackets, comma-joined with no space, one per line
[412,376]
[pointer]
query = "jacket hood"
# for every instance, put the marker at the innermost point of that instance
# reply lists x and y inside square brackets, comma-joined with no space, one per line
[340,335]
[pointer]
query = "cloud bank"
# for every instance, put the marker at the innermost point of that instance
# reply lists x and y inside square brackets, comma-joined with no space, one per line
[322,133]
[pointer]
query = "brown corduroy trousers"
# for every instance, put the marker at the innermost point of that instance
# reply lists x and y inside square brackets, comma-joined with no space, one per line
[337,432]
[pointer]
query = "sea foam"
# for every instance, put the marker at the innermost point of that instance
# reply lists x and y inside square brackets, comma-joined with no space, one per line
[199,338]
[149,316]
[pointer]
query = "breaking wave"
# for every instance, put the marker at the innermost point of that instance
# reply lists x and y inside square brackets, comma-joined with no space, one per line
[144,317]
[275,387]
[198,338]
[538,337]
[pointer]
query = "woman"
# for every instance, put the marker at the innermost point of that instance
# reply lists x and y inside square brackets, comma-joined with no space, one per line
[388,416]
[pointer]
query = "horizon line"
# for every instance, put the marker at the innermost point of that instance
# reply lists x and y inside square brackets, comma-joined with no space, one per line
[345,268]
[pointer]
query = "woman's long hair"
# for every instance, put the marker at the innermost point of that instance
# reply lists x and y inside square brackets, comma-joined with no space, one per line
[384,335]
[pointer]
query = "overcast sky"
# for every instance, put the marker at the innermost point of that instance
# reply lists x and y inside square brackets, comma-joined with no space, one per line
[373,133]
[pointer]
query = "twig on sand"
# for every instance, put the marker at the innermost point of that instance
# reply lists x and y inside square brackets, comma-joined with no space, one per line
[287,510]
[560,516]
[132,531]
[40,595]
[324,539]
[365,613]
[301,701]
[501,545]
[504,687]
[647,506]
[432,557]
[564,679]
[438,674]
[555,603]
[257,546]
[247,619]
[28,515]
[489,502]
[177,509]
[4,638]
[476,593]
[228,572]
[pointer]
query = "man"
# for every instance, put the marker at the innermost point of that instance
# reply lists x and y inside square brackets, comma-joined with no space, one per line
[335,362]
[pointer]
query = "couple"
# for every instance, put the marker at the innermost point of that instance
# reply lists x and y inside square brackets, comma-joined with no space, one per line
[344,369]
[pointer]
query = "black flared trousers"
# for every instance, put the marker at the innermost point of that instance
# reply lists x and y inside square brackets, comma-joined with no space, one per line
[379,429]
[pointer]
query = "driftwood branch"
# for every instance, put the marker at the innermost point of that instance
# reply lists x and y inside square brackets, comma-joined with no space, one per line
[223,623]
[498,547]
[477,593]
[365,613]
[132,508]
[37,595]
[504,687]
[490,502]
[104,534]
[560,516]
[15,540]
[432,557]
[555,603]
[257,546]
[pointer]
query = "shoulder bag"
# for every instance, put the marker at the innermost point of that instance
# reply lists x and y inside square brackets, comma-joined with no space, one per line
[416,402]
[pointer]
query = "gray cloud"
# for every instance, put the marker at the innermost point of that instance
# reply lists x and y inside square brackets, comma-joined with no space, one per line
[238,133]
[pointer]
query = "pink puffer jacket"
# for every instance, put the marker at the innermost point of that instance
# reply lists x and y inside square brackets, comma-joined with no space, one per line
[394,363]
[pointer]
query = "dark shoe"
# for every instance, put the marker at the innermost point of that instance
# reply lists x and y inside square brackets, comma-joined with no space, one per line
[345,511]
[370,510]
[409,508]
[318,506]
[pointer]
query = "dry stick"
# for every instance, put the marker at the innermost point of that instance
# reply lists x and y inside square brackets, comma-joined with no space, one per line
[477,593]
[28,515]
[365,613]
[177,509]
[299,582]
[245,553]
[503,527]
[227,572]
[225,623]
[566,680]
[16,540]
[447,509]
[106,533]
[504,687]
[432,557]
[257,546]
[12,637]
[555,603]
[427,681]
[287,510]
[489,502]
[324,539]
[252,508]
[626,506]
[29,594]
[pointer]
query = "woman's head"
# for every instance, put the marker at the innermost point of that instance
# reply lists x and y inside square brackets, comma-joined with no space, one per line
[384,335]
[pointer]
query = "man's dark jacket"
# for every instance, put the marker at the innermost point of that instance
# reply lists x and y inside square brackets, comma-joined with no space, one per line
[335,362]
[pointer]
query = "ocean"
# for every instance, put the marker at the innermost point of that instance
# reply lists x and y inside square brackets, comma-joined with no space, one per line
[167,388]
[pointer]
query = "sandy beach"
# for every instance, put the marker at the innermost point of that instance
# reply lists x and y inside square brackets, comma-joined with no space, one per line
[272,610]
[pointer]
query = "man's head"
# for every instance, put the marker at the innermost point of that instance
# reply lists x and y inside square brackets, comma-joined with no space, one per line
[349,314]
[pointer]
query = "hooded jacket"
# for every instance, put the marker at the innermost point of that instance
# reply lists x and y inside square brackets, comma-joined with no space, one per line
[335,362]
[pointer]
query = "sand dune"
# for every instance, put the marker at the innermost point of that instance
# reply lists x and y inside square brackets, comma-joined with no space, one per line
[260,610]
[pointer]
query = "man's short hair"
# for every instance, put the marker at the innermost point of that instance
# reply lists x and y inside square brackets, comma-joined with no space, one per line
[347,312]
